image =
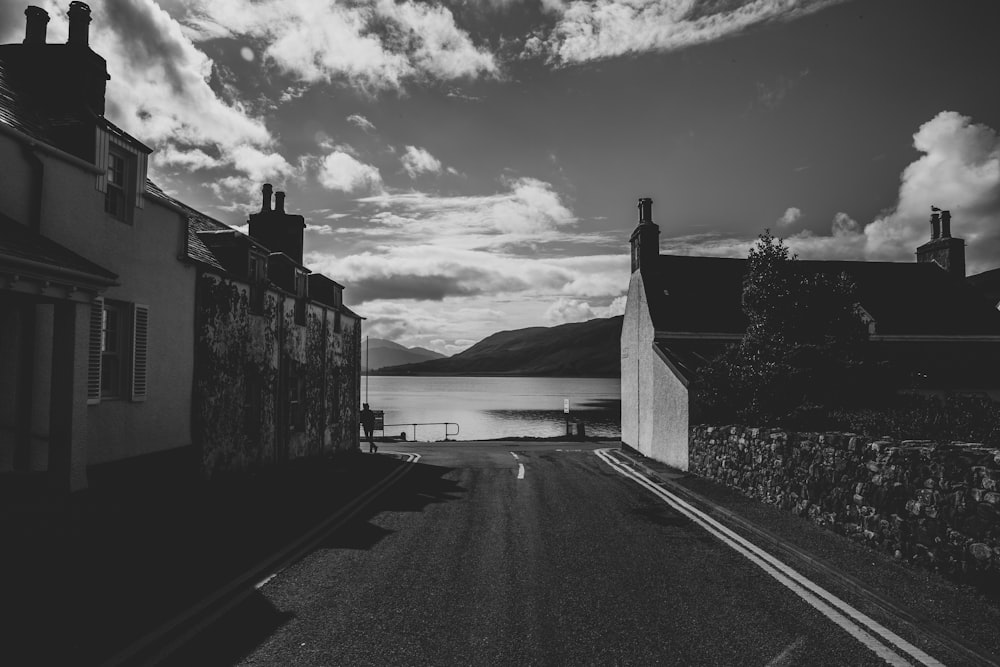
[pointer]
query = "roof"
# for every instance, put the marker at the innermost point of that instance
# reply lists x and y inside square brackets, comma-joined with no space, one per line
[20,244]
[14,109]
[704,295]
[987,283]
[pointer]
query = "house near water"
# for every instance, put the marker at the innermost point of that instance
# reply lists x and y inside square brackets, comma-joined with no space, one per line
[139,336]
[682,311]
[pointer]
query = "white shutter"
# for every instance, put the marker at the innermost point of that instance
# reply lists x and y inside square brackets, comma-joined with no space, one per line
[140,336]
[101,158]
[94,349]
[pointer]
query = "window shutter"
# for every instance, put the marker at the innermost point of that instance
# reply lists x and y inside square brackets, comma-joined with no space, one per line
[140,335]
[94,351]
[101,158]
[140,180]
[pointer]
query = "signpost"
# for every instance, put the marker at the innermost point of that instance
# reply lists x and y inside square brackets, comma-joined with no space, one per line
[566,412]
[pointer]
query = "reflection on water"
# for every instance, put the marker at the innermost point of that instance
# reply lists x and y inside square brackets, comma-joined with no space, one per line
[495,407]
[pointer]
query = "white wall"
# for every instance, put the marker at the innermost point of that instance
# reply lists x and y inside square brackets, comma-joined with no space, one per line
[654,400]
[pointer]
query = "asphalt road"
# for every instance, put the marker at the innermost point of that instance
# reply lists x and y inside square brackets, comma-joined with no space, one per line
[478,557]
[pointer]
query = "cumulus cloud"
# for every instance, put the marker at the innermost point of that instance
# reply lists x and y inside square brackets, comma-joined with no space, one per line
[420,161]
[789,217]
[372,44]
[345,173]
[595,29]
[569,310]
[361,122]
[959,171]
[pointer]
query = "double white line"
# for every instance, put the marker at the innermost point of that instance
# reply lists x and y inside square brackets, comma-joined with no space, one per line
[885,643]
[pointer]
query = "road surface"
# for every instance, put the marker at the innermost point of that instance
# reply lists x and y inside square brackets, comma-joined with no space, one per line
[528,554]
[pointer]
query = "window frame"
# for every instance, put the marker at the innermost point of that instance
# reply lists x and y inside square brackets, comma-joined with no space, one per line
[119,185]
[115,364]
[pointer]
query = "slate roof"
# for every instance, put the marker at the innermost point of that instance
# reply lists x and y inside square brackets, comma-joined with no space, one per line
[703,295]
[988,284]
[19,242]
[14,110]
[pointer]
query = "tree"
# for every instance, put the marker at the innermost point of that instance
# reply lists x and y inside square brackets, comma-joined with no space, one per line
[802,349]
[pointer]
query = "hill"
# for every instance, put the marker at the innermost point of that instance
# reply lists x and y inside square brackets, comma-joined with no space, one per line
[387,353]
[579,349]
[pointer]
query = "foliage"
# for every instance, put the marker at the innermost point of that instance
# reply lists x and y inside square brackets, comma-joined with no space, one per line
[802,350]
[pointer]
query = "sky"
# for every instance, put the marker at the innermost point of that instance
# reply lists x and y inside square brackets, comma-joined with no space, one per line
[467,167]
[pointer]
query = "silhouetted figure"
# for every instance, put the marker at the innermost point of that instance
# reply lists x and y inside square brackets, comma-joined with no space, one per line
[368,423]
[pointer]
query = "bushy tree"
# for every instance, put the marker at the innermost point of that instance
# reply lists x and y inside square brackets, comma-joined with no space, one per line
[802,350]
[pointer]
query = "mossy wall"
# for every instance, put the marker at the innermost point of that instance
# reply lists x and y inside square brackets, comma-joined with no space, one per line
[249,370]
[928,503]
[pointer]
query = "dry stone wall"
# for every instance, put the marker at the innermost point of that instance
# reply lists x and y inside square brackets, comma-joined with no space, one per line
[928,503]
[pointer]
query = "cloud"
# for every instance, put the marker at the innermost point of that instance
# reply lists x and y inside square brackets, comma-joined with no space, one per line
[959,171]
[789,217]
[588,30]
[372,44]
[569,310]
[340,171]
[420,161]
[528,211]
[191,159]
[360,121]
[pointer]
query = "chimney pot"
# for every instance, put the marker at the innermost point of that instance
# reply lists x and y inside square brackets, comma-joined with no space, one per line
[279,202]
[645,210]
[946,224]
[36,23]
[935,226]
[265,205]
[79,23]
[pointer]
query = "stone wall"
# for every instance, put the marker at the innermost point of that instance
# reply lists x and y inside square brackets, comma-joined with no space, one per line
[923,502]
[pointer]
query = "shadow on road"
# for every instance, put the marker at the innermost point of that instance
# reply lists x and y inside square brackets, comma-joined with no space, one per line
[246,627]
[126,558]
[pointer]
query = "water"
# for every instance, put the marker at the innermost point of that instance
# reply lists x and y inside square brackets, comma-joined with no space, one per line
[495,407]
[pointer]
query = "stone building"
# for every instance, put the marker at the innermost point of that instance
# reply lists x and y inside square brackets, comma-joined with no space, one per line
[130,331]
[682,311]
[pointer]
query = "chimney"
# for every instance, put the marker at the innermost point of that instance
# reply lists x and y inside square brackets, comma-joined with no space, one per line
[942,249]
[946,224]
[275,229]
[265,205]
[645,239]
[645,210]
[36,23]
[79,23]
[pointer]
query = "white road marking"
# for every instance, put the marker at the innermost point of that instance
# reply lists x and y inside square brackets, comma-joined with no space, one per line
[810,592]
[263,582]
[514,455]
[520,471]
[788,656]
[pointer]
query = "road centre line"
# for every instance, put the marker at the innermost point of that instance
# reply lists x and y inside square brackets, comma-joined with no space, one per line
[514,455]
[520,471]
[808,591]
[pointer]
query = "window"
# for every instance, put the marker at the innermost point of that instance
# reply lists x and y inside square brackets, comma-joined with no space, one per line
[118,351]
[112,349]
[257,275]
[119,194]
[300,296]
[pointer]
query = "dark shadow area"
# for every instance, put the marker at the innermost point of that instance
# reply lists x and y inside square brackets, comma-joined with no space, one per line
[232,637]
[88,575]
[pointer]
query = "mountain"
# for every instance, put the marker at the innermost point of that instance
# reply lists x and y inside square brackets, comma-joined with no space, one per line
[386,353]
[579,349]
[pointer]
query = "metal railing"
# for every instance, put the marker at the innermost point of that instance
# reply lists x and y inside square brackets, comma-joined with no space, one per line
[447,431]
